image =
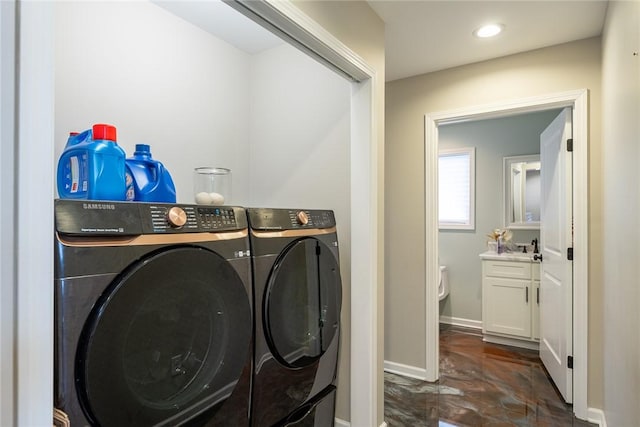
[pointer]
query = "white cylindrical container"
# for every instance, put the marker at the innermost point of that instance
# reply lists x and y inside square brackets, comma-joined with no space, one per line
[443,287]
[212,186]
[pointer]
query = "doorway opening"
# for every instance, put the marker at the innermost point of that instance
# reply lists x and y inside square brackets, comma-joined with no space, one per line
[500,144]
[578,100]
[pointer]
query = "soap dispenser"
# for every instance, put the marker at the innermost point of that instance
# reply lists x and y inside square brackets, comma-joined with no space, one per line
[534,242]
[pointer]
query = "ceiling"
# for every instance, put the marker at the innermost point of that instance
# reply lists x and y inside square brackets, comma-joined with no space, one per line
[423,36]
[426,36]
[224,22]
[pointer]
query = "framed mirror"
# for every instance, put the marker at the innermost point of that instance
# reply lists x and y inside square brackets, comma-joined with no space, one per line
[522,192]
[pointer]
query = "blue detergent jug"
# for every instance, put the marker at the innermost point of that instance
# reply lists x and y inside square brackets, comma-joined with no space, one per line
[147,179]
[92,166]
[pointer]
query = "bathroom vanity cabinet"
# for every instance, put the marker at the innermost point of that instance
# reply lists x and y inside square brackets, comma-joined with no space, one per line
[510,299]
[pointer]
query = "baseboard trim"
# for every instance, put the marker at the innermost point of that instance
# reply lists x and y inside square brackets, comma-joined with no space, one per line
[596,416]
[459,321]
[342,423]
[405,370]
[514,342]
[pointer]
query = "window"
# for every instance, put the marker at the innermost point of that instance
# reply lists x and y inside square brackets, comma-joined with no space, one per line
[456,188]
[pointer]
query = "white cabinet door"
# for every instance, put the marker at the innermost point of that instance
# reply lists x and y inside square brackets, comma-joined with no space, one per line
[506,306]
[535,310]
[535,303]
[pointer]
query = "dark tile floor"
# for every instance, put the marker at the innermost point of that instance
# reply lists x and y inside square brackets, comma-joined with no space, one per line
[481,384]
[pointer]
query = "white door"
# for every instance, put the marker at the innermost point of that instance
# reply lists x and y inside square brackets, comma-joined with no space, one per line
[556,277]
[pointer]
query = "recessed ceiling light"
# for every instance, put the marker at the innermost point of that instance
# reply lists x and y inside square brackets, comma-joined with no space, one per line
[488,30]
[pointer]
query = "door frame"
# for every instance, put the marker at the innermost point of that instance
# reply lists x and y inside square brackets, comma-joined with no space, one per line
[366,334]
[578,100]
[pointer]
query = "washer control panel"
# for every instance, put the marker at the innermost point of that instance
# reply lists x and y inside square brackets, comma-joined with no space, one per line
[169,218]
[106,218]
[161,218]
[218,217]
[290,219]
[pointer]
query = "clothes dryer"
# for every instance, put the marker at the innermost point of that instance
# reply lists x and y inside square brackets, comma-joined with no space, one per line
[298,296]
[153,314]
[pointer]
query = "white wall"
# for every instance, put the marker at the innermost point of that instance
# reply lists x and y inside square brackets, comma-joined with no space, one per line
[300,125]
[494,139]
[621,212]
[160,81]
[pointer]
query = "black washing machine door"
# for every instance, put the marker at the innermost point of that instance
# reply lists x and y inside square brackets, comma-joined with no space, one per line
[167,341]
[302,303]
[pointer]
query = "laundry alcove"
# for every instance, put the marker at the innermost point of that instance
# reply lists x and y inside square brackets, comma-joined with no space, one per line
[280,120]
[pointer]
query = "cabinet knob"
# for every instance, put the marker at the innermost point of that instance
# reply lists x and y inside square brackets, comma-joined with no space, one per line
[537,257]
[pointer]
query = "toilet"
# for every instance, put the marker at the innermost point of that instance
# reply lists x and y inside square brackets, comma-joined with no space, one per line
[443,287]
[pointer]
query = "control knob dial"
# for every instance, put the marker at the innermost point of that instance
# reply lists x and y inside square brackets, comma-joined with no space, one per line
[302,218]
[177,217]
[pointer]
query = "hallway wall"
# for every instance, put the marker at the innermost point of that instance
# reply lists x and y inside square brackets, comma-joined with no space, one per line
[621,212]
[560,68]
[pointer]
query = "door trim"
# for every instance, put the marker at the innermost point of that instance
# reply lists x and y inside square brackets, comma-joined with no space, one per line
[8,217]
[578,100]
[34,169]
[366,329]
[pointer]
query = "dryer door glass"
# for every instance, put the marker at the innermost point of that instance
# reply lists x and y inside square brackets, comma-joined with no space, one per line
[168,340]
[302,303]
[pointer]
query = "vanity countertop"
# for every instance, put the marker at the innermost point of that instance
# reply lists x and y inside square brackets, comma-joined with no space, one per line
[508,256]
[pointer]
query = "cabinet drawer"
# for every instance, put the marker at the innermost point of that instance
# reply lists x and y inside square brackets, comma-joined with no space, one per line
[512,269]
